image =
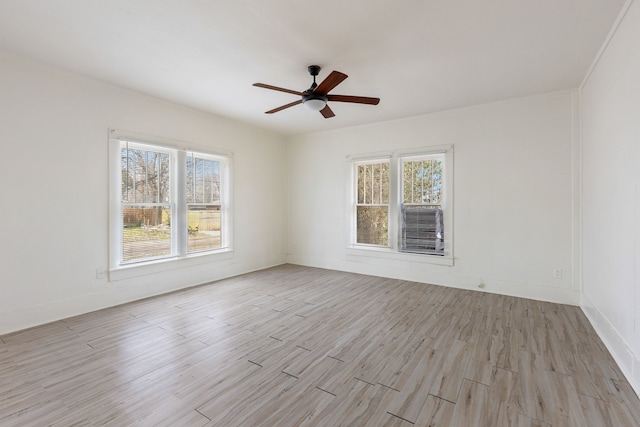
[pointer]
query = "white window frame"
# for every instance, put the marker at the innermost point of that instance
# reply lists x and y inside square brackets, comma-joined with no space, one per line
[223,205]
[412,159]
[355,203]
[180,257]
[393,251]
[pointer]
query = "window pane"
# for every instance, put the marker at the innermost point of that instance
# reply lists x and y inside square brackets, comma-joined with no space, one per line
[376,177]
[418,181]
[422,181]
[373,184]
[145,175]
[212,182]
[203,228]
[407,182]
[146,232]
[372,225]
[385,183]
[203,180]
[379,184]
[361,185]
[436,188]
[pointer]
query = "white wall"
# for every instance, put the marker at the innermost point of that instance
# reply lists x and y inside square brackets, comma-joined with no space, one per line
[611,195]
[54,189]
[514,211]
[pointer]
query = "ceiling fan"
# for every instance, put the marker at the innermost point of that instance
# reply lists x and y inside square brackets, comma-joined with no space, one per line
[317,96]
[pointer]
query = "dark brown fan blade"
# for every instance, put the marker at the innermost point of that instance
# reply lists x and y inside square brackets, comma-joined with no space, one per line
[291,104]
[281,89]
[354,99]
[327,112]
[332,80]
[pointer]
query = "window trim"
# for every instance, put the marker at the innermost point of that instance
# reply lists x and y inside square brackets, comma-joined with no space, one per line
[181,257]
[392,252]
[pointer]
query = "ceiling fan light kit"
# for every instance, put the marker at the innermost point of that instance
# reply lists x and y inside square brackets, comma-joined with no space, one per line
[316,97]
[314,102]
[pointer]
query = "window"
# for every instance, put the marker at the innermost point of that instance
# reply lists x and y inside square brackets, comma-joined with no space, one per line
[372,205]
[422,216]
[400,203]
[166,202]
[204,207]
[145,220]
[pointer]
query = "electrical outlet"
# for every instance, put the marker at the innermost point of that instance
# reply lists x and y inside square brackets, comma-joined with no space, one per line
[557,273]
[100,273]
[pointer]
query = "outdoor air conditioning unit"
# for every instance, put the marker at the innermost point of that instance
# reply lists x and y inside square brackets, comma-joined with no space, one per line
[422,230]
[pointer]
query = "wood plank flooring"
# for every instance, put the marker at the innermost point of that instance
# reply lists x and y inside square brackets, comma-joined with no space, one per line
[297,346]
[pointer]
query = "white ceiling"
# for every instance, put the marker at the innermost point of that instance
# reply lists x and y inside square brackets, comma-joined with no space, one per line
[418,56]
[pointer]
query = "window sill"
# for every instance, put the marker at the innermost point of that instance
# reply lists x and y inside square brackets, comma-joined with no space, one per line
[388,254]
[167,264]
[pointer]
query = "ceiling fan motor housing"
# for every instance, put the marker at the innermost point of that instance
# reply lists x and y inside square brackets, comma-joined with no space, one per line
[314,70]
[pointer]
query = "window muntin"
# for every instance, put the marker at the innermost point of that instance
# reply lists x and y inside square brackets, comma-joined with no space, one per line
[372,205]
[422,180]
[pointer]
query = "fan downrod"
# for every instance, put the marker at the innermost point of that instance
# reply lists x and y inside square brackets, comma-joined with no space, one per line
[314,70]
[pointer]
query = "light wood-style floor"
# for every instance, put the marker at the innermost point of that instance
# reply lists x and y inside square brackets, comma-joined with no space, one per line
[293,346]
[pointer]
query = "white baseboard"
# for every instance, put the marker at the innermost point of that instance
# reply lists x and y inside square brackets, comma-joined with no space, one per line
[118,293]
[443,276]
[619,349]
